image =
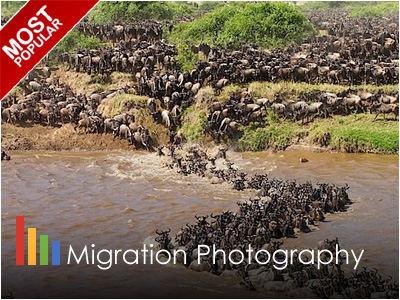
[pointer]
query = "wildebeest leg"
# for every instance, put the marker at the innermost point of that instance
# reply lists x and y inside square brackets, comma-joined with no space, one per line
[376,117]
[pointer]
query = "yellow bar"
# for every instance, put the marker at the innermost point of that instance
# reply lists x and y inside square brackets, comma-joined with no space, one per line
[32,246]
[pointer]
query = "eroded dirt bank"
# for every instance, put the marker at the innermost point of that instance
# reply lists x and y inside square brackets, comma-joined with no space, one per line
[40,138]
[64,138]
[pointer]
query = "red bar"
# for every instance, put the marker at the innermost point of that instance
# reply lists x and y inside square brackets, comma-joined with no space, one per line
[20,241]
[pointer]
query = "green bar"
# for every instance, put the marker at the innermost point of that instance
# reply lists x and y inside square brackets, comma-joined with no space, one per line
[44,250]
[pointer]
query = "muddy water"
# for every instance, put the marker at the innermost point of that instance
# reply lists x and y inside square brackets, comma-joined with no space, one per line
[115,200]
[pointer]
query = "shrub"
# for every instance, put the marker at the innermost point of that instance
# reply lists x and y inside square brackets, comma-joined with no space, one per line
[268,24]
[186,58]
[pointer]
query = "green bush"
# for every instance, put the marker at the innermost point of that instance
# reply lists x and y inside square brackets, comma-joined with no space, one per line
[268,24]
[186,58]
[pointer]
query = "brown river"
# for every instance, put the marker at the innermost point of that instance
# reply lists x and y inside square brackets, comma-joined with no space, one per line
[115,200]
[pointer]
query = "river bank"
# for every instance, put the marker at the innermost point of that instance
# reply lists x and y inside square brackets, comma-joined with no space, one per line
[350,134]
[42,138]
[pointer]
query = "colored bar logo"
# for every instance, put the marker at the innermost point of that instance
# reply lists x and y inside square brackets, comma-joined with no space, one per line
[43,243]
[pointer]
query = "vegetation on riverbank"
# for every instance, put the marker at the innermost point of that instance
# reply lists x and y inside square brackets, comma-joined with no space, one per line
[230,25]
[292,90]
[268,24]
[353,133]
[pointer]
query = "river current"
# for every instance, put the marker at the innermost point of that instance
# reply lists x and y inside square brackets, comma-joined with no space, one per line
[117,199]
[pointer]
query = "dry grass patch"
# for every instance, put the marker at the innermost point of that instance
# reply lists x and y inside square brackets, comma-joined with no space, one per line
[110,107]
[82,83]
[295,89]
[205,96]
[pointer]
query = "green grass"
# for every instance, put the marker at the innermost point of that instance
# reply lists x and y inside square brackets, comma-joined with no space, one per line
[262,138]
[227,91]
[268,24]
[381,9]
[360,134]
[193,120]
[354,133]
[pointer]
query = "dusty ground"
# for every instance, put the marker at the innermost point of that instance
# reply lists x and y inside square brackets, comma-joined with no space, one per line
[39,137]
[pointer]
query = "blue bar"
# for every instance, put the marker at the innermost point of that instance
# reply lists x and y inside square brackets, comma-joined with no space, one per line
[55,253]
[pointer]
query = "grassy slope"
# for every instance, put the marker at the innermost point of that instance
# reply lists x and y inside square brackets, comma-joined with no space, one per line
[292,89]
[353,133]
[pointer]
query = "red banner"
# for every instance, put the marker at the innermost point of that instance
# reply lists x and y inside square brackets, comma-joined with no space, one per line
[32,33]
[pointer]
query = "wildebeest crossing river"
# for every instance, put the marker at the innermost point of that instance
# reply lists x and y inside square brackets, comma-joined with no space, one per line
[117,199]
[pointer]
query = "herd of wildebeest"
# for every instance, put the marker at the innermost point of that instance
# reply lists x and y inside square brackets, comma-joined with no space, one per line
[281,209]
[349,51]
[352,51]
